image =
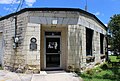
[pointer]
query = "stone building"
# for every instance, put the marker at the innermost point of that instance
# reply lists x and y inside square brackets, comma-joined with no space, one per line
[51,38]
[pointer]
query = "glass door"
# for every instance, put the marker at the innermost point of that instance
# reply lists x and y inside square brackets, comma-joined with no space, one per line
[52,51]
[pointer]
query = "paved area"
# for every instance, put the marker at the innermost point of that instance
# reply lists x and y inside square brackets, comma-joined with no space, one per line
[55,76]
[11,76]
[43,76]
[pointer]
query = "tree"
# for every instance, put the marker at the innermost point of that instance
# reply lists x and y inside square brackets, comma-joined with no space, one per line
[114,26]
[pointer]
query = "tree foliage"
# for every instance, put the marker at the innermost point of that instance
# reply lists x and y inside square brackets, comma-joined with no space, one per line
[114,25]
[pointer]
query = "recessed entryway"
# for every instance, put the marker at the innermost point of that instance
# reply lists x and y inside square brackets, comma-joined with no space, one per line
[53,44]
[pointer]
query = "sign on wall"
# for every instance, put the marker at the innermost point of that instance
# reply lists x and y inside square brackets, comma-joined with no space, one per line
[33,45]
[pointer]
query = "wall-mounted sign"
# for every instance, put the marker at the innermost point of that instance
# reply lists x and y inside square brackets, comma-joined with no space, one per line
[33,45]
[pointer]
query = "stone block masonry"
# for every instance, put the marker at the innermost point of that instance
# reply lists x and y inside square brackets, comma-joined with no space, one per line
[34,23]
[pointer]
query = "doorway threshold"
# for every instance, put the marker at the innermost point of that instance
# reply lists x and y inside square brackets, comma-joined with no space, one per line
[53,69]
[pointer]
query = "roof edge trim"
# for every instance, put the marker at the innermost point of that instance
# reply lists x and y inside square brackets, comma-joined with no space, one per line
[53,9]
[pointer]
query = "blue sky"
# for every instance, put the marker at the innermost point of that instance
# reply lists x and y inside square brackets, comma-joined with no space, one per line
[103,9]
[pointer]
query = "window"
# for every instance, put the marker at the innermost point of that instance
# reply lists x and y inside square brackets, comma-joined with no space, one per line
[89,37]
[101,43]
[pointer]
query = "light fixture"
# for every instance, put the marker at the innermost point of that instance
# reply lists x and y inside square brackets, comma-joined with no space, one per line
[16,40]
[54,22]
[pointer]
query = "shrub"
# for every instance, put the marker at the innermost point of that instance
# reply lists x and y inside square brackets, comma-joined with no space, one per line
[77,70]
[97,69]
[89,71]
[84,75]
[118,57]
[99,74]
[104,66]
[98,63]
[108,76]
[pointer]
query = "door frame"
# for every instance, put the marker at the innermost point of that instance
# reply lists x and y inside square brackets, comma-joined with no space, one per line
[45,36]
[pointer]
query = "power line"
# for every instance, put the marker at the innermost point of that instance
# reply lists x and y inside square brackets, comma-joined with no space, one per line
[20,5]
[18,8]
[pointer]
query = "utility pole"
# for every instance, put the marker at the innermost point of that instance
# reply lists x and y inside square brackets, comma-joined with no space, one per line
[86,5]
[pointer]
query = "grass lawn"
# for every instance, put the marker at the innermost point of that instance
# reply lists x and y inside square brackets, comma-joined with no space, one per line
[102,73]
[95,79]
[114,59]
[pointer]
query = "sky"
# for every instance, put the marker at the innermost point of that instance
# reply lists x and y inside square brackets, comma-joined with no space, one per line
[103,9]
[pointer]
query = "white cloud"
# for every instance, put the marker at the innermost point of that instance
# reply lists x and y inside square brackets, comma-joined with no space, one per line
[106,25]
[9,9]
[27,2]
[30,2]
[9,1]
[5,8]
[97,13]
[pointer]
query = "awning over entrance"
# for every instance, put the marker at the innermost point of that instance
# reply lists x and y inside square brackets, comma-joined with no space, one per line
[50,20]
[55,17]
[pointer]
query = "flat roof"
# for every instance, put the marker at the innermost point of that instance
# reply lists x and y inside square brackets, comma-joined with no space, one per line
[53,9]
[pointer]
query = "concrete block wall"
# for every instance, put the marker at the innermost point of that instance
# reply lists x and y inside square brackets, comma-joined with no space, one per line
[22,56]
[32,57]
[83,33]
[74,46]
[1,26]
[77,47]
[1,42]
[13,58]
[96,40]
[22,21]
[8,33]
[91,23]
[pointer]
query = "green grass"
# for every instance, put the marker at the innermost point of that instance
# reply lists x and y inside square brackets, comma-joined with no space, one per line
[114,59]
[102,73]
[1,68]
[94,79]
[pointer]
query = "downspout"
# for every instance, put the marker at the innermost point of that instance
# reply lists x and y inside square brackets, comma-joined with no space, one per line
[80,59]
[106,48]
[107,58]
[15,34]
[15,45]
[15,27]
